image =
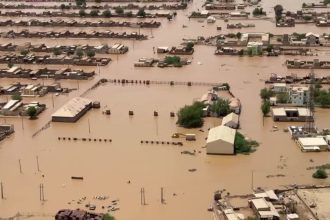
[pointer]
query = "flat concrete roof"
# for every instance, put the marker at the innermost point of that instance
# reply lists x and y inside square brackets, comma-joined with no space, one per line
[312,141]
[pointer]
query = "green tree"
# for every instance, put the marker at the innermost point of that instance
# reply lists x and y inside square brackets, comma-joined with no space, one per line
[10,65]
[57,51]
[82,13]
[266,93]
[94,13]
[175,60]
[108,217]
[269,48]
[141,13]
[81,3]
[16,96]
[62,6]
[90,53]
[129,14]
[119,10]
[221,107]
[32,111]
[320,174]
[278,11]
[190,116]
[226,85]
[98,1]
[79,53]
[238,35]
[24,52]
[190,46]
[244,146]
[106,13]
[265,107]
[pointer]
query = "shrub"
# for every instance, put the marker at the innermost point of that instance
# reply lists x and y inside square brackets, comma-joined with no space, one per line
[190,116]
[320,174]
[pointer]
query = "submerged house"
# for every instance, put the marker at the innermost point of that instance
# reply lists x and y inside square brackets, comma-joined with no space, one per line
[220,140]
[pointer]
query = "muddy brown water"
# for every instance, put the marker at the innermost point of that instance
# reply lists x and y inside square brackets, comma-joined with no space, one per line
[106,167]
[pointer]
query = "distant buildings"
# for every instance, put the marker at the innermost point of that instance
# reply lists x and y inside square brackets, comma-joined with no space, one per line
[264,209]
[291,114]
[6,130]
[221,140]
[72,110]
[255,37]
[118,49]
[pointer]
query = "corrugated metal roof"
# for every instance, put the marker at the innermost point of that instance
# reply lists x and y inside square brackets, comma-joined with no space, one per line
[72,108]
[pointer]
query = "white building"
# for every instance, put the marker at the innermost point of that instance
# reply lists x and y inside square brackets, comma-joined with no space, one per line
[298,95]
[279,87]
[118,49]
[31,90]
[72,110]
[231,120]
[264,209]
[221,140]
[312,144]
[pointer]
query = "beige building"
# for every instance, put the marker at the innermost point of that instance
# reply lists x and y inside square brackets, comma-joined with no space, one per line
[231,120]
[221,140]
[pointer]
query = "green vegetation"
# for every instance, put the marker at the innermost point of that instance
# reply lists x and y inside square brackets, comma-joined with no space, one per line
[90,53]
[226,85]
[265,107]
[299,36]
[62,6]
[266,93]
[32,112]
[119,10]
[238,35]
[106,13]
[221,107]
[278,11]
[10,65]
[79,53]
[190,116]
[304,5]
[270,48]
[141,13]
[258,12]
[81,3]
[94,13]
[129,14]
[98,1]
[190,46]
[108,217]
[251,218]
[16,96]
[82,13]
[322,97]
[24,52]
[326,1]
[244,146]
[57,51]
[173,60]
[320,174]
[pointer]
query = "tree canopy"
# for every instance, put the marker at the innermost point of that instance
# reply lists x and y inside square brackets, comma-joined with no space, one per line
[221,107]
[320,174]
[32,111]
[190,116]
[265,107]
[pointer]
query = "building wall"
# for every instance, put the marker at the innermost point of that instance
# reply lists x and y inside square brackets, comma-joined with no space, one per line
[219,147]
[72,119]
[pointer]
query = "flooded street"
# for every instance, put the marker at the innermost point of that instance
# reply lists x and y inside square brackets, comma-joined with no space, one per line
[107,167]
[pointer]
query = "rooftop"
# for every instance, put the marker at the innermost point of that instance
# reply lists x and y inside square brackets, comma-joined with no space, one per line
[232,117]
[72,108]
[312,141]
[221,133]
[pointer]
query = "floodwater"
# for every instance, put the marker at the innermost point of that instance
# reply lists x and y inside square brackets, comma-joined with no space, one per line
[107,167]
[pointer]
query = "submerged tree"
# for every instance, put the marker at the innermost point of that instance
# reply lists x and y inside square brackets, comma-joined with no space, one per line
[190,116]
[32,112]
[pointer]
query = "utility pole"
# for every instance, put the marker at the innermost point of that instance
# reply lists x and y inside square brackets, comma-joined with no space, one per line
[1,185]
[252,180]
[37,158]
[20,166]
[22,123]
[89,127]
[53,99]
[310,103]
[143,198]
[162,195]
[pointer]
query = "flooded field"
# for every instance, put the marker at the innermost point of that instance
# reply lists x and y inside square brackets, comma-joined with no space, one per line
[107,167]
